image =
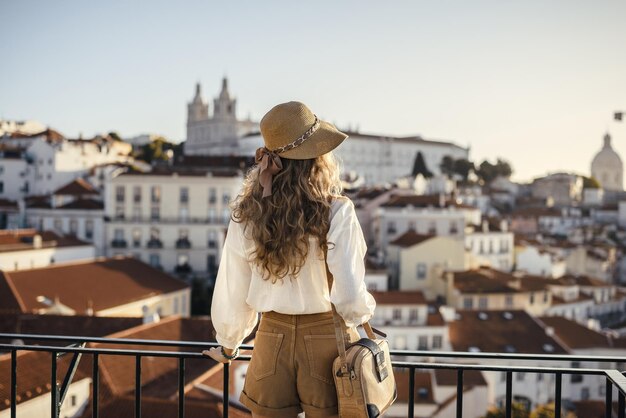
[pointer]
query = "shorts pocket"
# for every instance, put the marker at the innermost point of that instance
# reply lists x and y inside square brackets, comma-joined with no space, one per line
[321,351]
[265,354]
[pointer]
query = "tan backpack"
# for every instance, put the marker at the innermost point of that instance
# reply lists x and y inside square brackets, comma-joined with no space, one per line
[363,373]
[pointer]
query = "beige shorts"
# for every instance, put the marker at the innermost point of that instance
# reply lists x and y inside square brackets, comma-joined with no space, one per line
[291,366]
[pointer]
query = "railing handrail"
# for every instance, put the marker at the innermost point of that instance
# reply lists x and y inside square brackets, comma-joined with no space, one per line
[405,353]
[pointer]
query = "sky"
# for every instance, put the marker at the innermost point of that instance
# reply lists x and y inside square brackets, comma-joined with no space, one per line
[534,82]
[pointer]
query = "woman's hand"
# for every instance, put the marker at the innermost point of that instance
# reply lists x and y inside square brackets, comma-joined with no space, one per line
[216,354]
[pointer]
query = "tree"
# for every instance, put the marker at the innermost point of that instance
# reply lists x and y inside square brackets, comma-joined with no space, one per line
[463,167]
[447,165]
[488,172]
[419,166]
[517,411]
[114,136]
[157,150]
[591,183]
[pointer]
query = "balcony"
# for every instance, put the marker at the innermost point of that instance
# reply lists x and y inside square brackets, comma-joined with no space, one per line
[183,243]
[118,243]
[614,379]
[154,243]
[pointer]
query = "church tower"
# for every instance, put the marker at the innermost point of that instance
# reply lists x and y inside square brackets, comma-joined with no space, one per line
[197,109]
[223,106]
[607,167]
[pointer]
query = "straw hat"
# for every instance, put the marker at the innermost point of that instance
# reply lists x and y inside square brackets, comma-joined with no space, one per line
[292,131]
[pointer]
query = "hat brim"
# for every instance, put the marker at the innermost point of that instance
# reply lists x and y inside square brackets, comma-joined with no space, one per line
[324,140]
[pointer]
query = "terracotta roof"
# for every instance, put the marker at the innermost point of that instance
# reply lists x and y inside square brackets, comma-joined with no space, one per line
[77,187]
[8,204]
[124,406]
[484,280]
[423,393]
[107,283]
[535,212]
[446,377]
[501,332]
[410,238]
[50,135]
[593,408]
[574,334]
[83,204]
[582,280]
[369,193]
[557,300]
[535,283]
[421,201]
[397,297]
[435,319]
[22,240]
[370,264]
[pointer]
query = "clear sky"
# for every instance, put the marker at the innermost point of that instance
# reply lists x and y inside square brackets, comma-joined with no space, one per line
[532,81]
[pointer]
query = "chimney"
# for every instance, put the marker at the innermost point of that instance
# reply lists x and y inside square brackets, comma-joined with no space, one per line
[485,225]
[89,310]
[550,331]
[504,225]
[442,200]
[37,241]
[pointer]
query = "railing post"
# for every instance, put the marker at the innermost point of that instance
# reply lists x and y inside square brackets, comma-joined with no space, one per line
[509,390]
[138,386]
[459,393]
[54,390]
[95,377]
[13,383]
[557,395]
[620,405]
[411,392]
[608,404]
[226,389]
[181,387]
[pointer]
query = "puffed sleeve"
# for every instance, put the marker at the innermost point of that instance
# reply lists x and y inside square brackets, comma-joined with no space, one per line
[231,315]
[346,261]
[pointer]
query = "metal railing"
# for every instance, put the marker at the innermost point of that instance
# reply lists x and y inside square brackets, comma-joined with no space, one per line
[613,378]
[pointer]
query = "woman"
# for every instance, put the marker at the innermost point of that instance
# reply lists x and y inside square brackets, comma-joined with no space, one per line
[289,218]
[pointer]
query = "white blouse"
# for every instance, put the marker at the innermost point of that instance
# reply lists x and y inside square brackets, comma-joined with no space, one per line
[240,291]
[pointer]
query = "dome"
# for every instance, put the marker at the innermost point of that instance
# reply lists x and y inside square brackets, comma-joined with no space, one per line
[607,157]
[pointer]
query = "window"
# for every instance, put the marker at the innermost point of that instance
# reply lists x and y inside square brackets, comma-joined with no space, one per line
[508,301]
[412,225]
[183,259]
[454,229]
[397,314]
[73,226]
[539,377]
[413,315]
[154,233]
[73,397]
[483,302]
[155,260]
[490,246]
[584,393]
[225,215]
[136,237]
[155,213]
[211,215]
[1,187]
[175,306]
[576,378]
[184,195]
[137,213]
[137,194]
[89,229]
[211,264]
[212,242]
[58,224]
[119,194]
[432,228]
[421,271]
[118,234]
[503,376]
[531,298]
[437,341]
[212,195]
[481,248]
[119,212]
[184,214]
[422,342]
[545,297]
[468,303]
[155,194]
[226,198]
[519,376]
[391,227]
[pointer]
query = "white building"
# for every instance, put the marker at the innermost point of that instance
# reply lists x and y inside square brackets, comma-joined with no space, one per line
[540,260]
[76,210]
[24,249]
[607,167]
[491,244]
[428,215]
[216,132]
[26,127]
[172,218]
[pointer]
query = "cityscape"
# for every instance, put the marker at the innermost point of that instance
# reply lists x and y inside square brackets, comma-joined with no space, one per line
[483,158]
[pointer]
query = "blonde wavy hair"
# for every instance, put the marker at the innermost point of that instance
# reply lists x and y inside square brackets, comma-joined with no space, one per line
[298,208]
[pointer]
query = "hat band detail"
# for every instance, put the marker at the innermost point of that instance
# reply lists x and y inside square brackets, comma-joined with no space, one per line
[269,161]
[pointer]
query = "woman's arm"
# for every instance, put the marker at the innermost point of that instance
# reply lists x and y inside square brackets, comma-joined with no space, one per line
[346,261]
[231,315]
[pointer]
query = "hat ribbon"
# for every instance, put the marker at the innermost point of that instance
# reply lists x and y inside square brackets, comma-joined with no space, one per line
[269,164]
